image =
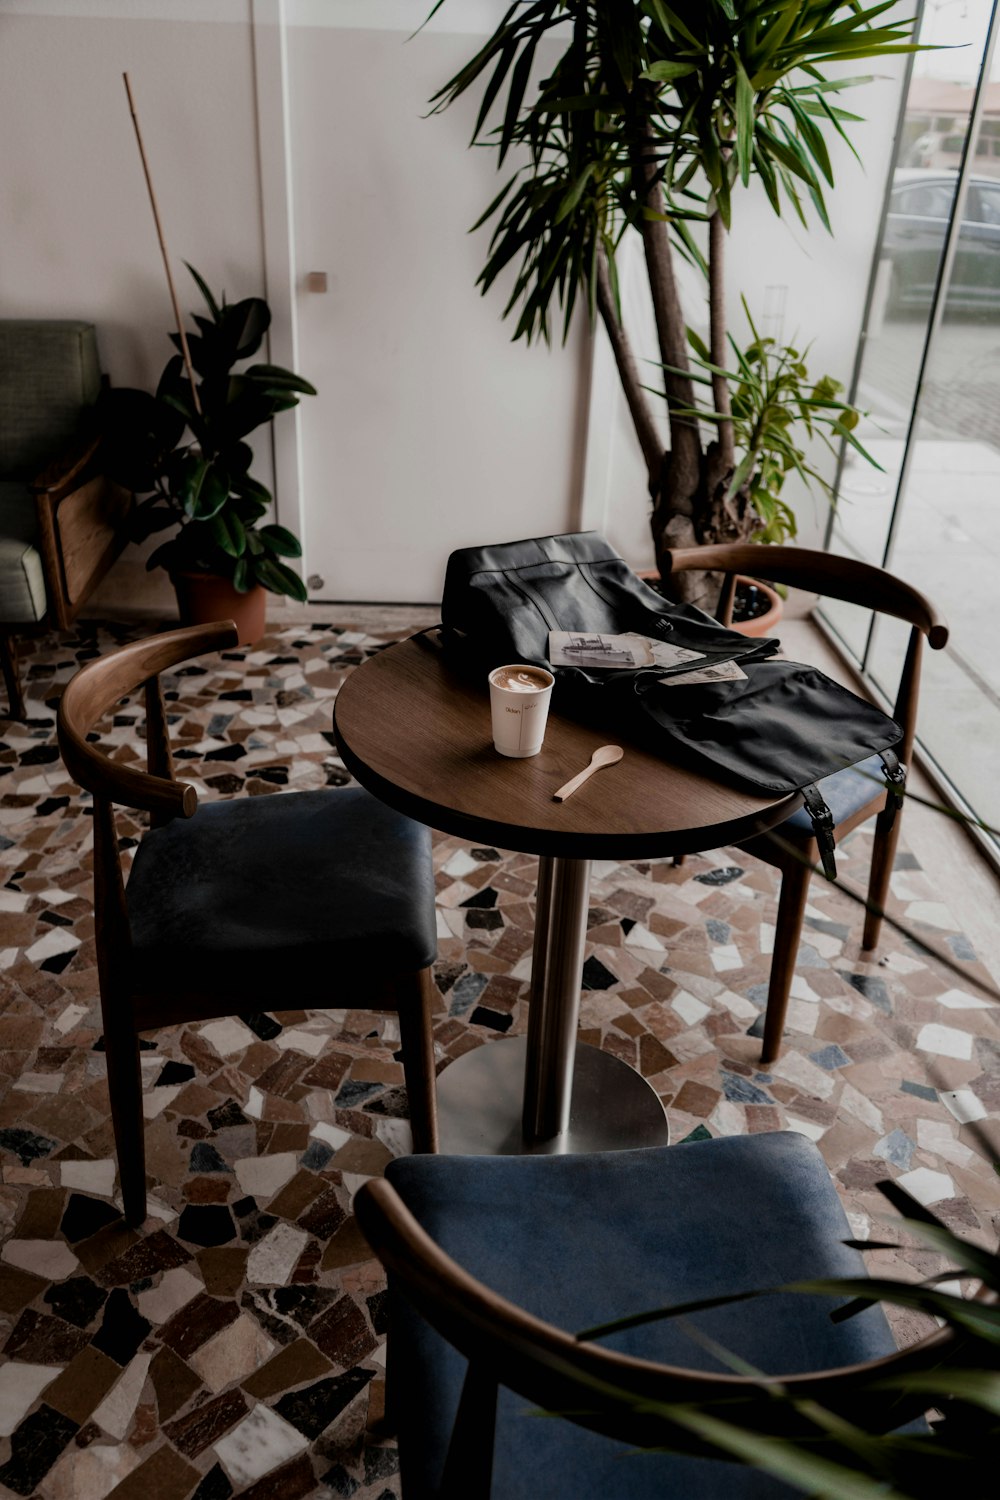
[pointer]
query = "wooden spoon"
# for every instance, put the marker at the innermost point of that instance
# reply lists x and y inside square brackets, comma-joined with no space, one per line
[607,755]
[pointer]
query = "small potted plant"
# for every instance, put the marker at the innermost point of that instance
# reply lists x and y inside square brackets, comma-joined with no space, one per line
[184,451]
[774,408]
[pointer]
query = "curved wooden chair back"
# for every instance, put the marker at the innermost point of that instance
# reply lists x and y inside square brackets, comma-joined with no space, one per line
[835,577]
[95,691]
[593,1386]
[87,698]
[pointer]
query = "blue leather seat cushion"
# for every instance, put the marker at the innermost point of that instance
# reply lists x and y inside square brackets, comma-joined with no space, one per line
[289,889]
[579,1240]
[844,793]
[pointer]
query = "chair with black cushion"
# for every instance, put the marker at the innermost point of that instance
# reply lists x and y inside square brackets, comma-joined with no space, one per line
[497,1263]
[852,795]
[61,517]
[323,899]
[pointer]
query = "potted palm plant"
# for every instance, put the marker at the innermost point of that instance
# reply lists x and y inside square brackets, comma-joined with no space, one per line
[650,123]
[184,451]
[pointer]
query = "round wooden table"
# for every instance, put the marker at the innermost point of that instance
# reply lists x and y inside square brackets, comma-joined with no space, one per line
[417,734]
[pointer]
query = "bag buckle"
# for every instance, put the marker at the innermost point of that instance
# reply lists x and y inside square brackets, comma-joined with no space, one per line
[895,783]
[823,826]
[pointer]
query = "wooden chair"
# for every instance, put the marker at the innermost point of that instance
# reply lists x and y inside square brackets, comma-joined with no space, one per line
[497,1264]
[852,795]
[318,899]
[61,516]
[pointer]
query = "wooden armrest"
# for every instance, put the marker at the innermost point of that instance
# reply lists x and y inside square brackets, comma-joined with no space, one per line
[70,469]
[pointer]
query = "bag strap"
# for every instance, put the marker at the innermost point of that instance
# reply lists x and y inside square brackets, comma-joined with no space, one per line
[895,783]
[822,818]
[823,825]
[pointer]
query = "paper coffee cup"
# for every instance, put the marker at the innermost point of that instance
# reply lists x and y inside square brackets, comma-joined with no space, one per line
[519,700]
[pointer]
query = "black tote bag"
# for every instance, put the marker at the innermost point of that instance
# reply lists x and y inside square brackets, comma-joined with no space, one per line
[780,728]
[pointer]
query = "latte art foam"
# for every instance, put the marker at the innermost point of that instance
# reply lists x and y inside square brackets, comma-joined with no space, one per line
[521,679]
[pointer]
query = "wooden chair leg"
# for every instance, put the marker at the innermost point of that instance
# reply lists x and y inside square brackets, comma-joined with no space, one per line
[121,1049]
[883,857]
[788,930]
[8,662]
[417,997]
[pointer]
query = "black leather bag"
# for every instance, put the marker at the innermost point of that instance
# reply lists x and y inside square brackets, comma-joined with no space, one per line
[781,728]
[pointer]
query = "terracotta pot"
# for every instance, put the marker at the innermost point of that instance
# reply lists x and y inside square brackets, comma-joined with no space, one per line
[762,624]
[204,597]
[765,623]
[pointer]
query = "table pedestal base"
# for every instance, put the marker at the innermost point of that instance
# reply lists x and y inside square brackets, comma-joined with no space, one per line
[480,1097]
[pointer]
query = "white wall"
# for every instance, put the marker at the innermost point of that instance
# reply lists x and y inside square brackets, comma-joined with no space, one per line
[431,430]
[78,236]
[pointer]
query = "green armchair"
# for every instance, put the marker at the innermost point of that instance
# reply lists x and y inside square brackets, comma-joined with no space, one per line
[61,517]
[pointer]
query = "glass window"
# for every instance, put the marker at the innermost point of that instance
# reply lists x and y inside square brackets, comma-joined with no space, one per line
[930,379]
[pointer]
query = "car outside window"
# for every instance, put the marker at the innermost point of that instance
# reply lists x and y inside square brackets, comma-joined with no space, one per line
[984,205]
[927,200]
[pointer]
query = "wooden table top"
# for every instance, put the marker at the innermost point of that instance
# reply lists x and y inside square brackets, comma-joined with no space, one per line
[418,736]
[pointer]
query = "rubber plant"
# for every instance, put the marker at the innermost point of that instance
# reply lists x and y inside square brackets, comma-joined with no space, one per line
[652,121]
[184,451]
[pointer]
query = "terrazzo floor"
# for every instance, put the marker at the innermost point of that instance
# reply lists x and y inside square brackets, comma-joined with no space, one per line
[236,1343]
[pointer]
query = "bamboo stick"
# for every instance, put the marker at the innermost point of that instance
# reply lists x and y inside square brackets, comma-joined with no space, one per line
[185,352]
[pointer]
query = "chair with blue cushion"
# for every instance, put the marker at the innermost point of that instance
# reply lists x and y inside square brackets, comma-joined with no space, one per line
[496,1264]
[322,899]
[852,795]
[61,517]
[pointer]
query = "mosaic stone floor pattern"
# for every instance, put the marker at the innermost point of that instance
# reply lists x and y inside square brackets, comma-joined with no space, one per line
[235,1344]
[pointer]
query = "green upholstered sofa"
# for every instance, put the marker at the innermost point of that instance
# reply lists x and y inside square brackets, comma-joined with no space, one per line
[60,515]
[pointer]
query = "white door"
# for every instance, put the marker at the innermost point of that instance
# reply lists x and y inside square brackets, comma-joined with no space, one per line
[431,430]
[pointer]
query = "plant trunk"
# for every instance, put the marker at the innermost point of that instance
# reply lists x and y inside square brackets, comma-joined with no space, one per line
[689,485]
[681,467]
[691,505]
[628,373]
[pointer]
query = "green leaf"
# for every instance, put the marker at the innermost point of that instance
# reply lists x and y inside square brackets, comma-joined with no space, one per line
[205,492]
[252,489]
[978,1387]
[227,532]
[744,123]
[811,1472]
[279,579]
[813,138]
[203,288]
[507,55]
[671,21]
[489,212]
[788,152]
[575,193]
[280,540]
[518,84]
[278,379]
[666,72]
